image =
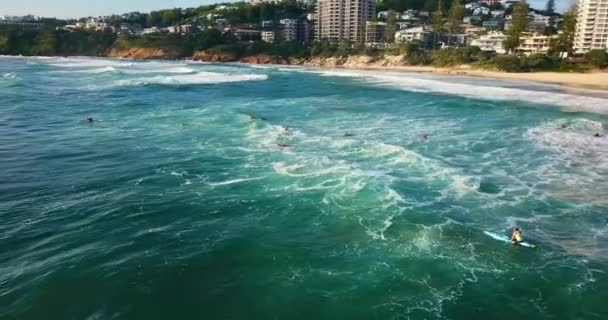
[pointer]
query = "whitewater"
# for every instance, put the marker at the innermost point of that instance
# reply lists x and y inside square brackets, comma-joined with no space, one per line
[236,191]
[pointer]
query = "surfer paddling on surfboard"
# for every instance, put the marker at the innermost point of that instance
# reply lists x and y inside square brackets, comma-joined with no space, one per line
[516,236]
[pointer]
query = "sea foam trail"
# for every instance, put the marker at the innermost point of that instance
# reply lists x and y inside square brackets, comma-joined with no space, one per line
[415,82]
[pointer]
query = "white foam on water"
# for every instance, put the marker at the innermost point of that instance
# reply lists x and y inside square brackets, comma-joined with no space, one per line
[233,181]
[418,83]
[177,70]
[430,169]
[87,63]
[9,75]
[392,199]
[198,78]
[576,168]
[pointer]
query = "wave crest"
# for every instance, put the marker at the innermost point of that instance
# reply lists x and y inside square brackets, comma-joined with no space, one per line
[198,78]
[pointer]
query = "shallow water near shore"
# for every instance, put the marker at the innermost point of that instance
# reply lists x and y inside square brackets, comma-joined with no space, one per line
[176,204]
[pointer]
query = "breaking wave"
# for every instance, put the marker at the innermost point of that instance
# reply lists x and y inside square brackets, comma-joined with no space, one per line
[198,78]
[422,83]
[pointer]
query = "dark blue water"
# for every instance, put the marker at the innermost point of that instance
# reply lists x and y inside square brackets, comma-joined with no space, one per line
[176,204]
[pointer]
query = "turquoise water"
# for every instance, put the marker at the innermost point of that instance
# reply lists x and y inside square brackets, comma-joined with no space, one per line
[174,204]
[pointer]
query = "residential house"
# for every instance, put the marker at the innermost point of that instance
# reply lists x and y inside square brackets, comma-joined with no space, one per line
[491,42]
[498,13]
[152,30]
[489,2]
[450,40]
[481,11]
[403,25]
[533,43]
[472,5]
[477,20]
[290,29]
[269,36]
[509,3]
[409,15]
[471,30]
[493,24]
[423,34]
[374,33]
[267,24]
[382,14]
[244,34]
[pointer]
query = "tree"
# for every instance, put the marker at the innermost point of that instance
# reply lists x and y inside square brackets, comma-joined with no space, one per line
[4,44]
[519,23]
[565,41]
[437,21]
[391,26]
[597,58]
[550,10]
[455,15]
[45,44]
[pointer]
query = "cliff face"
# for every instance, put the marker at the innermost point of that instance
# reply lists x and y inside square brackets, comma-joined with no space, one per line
[354,61]
[357,61]
[142,53]
[213,57]
[264,59]
[226,57]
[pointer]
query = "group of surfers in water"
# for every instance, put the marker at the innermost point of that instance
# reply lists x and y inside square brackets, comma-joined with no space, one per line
[286,129]
[595,135]
[516,235]
[349,134]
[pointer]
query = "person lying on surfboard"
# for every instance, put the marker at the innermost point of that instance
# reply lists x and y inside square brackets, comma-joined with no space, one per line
[516,236]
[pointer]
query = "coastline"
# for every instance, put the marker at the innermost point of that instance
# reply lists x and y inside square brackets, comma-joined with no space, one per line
[593,80]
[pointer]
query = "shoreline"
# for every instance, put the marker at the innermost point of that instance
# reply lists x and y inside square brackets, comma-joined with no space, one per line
[597,80]
[594,80]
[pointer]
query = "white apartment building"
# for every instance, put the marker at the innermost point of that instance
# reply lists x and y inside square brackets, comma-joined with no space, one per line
[374,33]
[340,20]
[535,43]
[592,26]
[422,34]
[268,36]
[491,42]
[290,29]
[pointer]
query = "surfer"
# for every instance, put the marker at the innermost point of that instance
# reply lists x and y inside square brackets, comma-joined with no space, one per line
[283,145]
[564,125]
[516,236]
[425,137]
[90,119]
[285,128]
[348,134]
[597,135]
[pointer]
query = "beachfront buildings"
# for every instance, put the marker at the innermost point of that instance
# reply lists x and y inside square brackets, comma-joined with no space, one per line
[422,34]
[290,29]
[269,36]
[374,33]
[592,26]
[343,20]
[491,42]
[534,43]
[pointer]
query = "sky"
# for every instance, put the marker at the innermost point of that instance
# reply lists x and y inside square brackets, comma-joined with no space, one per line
[85,8]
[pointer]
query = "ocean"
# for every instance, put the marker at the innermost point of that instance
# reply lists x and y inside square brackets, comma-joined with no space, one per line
[205,191]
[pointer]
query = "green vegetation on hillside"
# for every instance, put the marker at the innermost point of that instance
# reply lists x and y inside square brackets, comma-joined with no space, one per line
[49,43]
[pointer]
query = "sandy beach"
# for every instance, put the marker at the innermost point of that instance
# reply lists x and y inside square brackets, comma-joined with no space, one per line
[591,80]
